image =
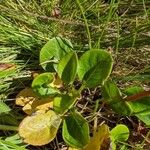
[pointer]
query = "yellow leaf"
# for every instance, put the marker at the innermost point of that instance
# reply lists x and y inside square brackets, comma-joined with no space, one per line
[39,129]
[32,103]
[42,105]
[25,96]
[28,108]
[97,141]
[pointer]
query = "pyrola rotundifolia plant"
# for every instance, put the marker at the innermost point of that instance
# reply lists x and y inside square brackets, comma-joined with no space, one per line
[51,101]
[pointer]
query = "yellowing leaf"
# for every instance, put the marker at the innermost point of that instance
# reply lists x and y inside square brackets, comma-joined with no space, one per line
[97,141]
[42,105]
[57,82]
[28,108]
[25,96]
[32,103]
[39,129]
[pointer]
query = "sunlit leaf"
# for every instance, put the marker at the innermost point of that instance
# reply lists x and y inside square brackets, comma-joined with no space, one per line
[94,67]
[119,133]
[99,139]
[53,51]
[113,97]
[67,67]
[75,130]
[24,96]
[41,85]
[39,129]
[32,103]
[62,103]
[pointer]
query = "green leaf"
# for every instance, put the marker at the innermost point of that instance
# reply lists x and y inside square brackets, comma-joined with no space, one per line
[119,133]
[67,67]
[75,130]
[140,107]
[112,96]
[4,108]
[94,67]
[41,85]
[53,51]
[62,103]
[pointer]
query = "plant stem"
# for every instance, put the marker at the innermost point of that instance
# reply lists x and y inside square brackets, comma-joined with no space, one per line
[7,127]
[86,24]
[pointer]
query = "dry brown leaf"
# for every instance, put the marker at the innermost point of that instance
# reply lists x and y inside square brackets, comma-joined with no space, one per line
[39,129]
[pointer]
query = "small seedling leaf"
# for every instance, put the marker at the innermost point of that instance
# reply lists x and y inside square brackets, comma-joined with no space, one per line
[75,130]
[67,67]
[94,67]
[41,85]
[119,133]
[39,129]
[53,51]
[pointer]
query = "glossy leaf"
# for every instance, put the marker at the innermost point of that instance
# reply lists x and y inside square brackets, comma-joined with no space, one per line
[41,85]
[75,130]
[39,129]
[99,138]
[62,103]
[53,51]
[94,67]
[67,67]
[112,96]
[120,133]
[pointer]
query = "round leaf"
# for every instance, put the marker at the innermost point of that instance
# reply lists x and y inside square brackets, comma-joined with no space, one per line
[39,129]
[67,67]
[41,85]
[53,51]
[94,67]
[75,130]
[120,133]
[62,103]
